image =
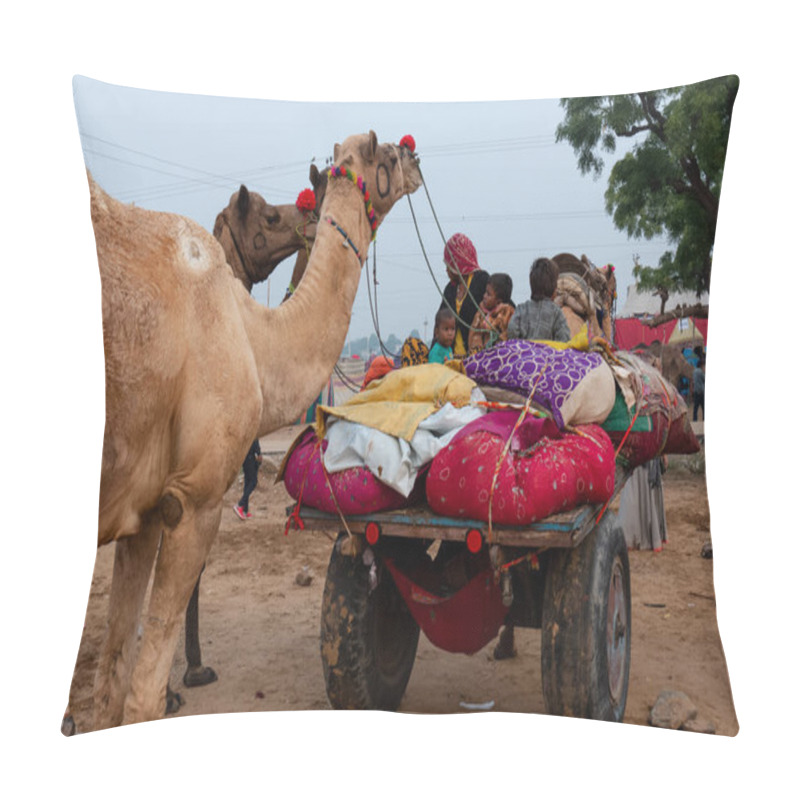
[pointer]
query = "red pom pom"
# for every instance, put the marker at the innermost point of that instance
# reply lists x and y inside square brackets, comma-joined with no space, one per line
[306,200]
[408,141]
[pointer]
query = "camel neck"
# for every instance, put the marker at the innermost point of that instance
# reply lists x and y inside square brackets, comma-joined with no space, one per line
[234,255]
[301,340]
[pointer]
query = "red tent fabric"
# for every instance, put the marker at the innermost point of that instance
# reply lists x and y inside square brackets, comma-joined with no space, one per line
[632,332]
[702,325]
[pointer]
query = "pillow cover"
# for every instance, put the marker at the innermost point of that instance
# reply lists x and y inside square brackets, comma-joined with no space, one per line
[215,173]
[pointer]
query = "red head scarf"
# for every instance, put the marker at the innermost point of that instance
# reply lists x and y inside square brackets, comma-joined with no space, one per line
[460,255]
[379,367]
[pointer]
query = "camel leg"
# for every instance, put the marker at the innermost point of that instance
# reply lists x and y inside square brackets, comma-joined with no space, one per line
[133,561]
[505,645]
[196,674]
[180,560]
[193,655]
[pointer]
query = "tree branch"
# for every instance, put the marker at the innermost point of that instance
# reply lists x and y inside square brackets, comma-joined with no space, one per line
[704,195]
[680,312]
[654,116]
[632,131]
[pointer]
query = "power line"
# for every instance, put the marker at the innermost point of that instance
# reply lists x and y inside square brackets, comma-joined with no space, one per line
[155,158]
[501,217]
[151,169]
[187,182]
[490,146]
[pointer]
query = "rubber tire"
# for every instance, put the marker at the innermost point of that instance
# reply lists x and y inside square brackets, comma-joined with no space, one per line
[368,639]
[585,654]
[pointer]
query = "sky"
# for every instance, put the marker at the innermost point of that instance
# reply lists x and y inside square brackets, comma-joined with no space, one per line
[493,170]
[448,51]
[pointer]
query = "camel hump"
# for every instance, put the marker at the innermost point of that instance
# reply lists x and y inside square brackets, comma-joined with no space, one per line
[200,252]
[97,196]
[569,263]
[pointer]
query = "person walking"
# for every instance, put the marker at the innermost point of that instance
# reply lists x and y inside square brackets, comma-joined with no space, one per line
[699,388]
[250,468]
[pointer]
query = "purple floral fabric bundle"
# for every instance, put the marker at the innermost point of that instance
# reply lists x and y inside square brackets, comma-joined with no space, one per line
[518,365]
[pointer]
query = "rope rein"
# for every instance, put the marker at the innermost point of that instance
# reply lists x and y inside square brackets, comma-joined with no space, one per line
[463,281]
[374,307]
[373,304]
[294,520]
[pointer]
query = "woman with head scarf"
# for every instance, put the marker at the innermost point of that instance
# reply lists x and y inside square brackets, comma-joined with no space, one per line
[465,290]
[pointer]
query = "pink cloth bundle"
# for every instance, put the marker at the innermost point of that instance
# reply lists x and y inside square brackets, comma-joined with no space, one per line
[356,490]
[544,471]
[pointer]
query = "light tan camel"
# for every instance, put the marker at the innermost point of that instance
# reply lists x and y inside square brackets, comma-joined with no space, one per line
[673,364]
[195,370]
[255,236]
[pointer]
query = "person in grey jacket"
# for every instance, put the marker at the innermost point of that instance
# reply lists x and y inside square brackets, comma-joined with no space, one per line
[539,317]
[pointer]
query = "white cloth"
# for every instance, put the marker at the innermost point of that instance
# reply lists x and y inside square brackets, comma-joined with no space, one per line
[394,461]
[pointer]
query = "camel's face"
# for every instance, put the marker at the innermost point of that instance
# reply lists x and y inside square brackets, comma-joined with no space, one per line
[390,171]
[266,234]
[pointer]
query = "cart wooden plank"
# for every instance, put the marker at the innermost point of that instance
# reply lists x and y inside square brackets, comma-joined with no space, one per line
[566,529]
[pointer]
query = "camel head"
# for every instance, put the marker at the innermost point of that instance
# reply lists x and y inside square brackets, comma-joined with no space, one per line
[319,180]
[611,280]
[389,171]
[257,235]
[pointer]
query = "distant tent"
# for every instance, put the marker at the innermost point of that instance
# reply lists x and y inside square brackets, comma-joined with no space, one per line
[631,331]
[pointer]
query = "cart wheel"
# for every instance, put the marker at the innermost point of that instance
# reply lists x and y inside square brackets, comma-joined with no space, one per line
[586,627]
[368,637]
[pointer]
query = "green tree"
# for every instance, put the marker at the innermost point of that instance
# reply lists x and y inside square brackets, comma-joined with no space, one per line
[669,183]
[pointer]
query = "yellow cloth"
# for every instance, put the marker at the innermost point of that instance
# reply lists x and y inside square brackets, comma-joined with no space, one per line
[459,345]
[580,341]
[398,402]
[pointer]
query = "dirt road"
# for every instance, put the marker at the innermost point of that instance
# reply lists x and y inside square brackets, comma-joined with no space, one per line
[260,629]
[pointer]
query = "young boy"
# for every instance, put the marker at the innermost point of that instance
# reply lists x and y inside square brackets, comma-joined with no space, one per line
[540,317]
[491,320]
[444,334]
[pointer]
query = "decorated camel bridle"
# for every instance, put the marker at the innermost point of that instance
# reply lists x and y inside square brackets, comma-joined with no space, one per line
[359,182]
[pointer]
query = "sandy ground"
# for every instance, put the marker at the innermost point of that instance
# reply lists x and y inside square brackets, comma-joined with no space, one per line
[259,628]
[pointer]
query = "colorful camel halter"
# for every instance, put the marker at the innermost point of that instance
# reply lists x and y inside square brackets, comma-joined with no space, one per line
[359,182]
[361,185]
